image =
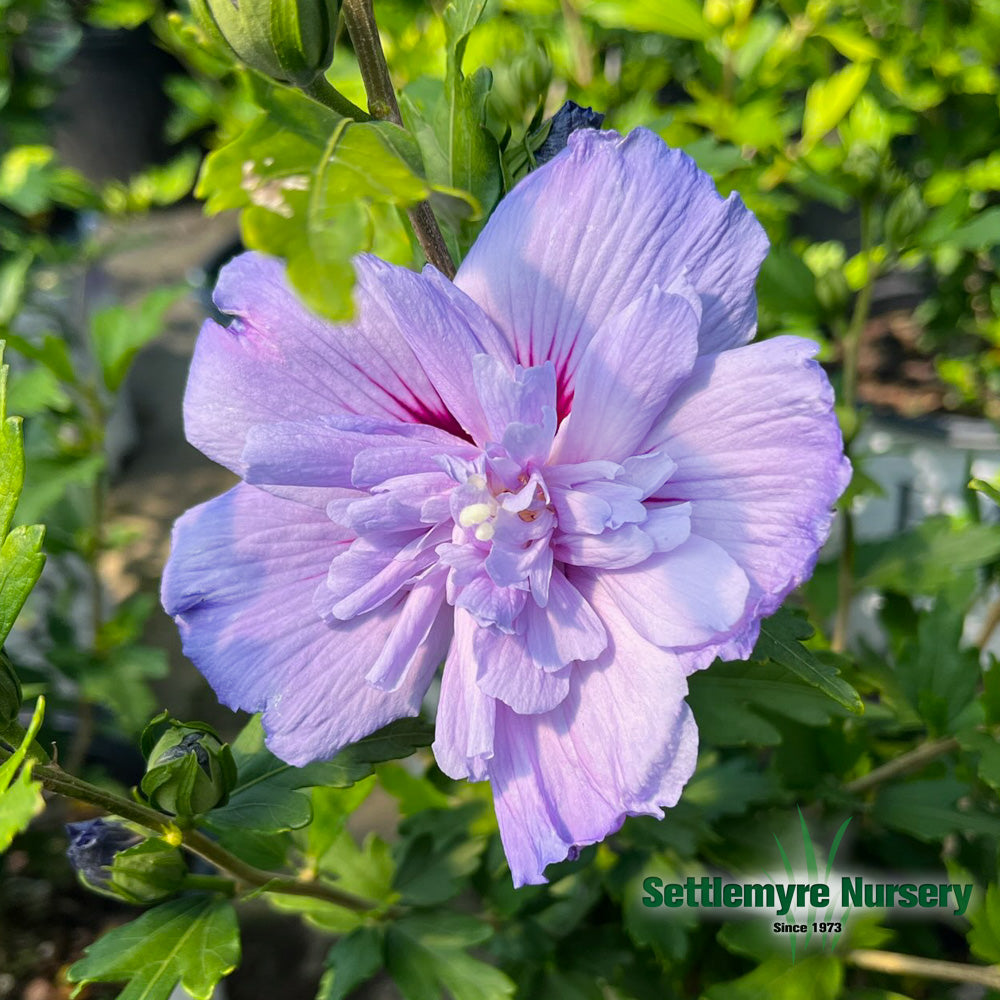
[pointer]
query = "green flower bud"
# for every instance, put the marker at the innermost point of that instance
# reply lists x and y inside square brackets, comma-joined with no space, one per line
[10,691]
[114,859]
[189,770]
[287,40]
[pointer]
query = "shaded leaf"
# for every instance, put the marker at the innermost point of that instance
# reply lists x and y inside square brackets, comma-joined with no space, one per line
[193,941]
[426,954]
[353,960]
[117,332]
[779,641]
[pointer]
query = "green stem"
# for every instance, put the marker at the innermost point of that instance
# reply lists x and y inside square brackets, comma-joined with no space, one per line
[13,735]
[851,344]
[910,761]
[210,883]
[55,779]
[359,16]
[321,91]
[894,964]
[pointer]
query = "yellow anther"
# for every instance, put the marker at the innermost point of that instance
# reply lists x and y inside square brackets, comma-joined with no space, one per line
[474,514]
[476,482]
[485,531]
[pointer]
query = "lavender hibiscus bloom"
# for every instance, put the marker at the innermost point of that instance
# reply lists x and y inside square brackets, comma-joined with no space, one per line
[567,475]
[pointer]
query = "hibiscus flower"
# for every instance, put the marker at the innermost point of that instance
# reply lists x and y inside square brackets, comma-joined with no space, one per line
[568,475]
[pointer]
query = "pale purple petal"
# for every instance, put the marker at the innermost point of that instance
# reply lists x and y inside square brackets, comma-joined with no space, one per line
[367,574]
[627,546]
[423,308]
[505,671]
[277,361]
[759,455]
[626,375]
[423,610]
[622,743]
[579,240]
[565,629]
[463,731]
[322,451]
[239,584]
[693,595]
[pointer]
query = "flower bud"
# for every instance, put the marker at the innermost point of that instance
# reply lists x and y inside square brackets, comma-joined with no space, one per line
[10,691]
[190,770]
[287,40]
[114,859]
[567,119]
[544,142]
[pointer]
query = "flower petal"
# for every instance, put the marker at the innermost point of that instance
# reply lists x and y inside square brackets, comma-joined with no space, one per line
[463,729]
[565,630]
[277,361]
[627,373]
[692,595]
[506,671]
[622,743]
[759,455]
[239,583]
[551,269]
[445,330]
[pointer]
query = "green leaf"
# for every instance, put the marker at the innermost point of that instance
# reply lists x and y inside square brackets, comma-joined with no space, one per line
[987,489]
[459,152]
[928,558]
[21,562]
[779,641]
[818,977]
[193,941]
[939,678]
[353,960]
[20,797]
[120,680]
[36,391]
[426,953]
[984,934]
[11,457]
[53,353]
[680,18]
[828,100]
[927,810]
[13,282]
[49,479]
[117,332]
[982,233]
[988,748]
[21,559]
[437,855]
[735,703]
[266,795]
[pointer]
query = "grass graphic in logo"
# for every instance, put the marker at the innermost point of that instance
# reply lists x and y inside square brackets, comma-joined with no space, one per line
[826,925]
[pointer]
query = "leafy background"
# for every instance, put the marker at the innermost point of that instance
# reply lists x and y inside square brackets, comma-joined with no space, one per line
[864,136]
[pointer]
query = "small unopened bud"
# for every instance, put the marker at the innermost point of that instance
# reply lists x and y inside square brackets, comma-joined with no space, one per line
[116,860]
[287,40]
[10,691]
[567,119]
[190,770]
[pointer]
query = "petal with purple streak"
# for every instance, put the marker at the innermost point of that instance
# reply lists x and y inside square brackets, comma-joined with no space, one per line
[551,269]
